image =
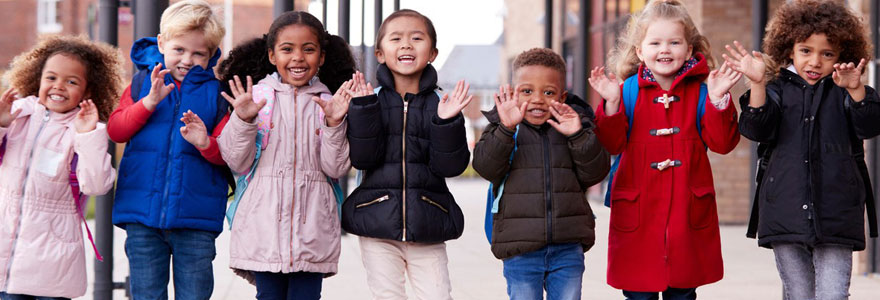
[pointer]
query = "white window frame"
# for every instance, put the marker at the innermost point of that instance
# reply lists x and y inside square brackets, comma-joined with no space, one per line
[47,16]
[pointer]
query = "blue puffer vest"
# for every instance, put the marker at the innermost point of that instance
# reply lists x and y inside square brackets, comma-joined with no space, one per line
[164,182]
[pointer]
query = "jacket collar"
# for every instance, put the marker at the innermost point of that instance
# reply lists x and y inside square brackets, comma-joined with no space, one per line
[698,70]
[314,87]
[427,83]
[145,55]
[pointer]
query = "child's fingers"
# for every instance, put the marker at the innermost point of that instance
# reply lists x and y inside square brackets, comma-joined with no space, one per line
[155,73]
[553,123]
[733,53]
[228,98]
[467,101]
[250,84]
[861,65]
[497,100]
[467,89]
[444,98]
[319,102]
[522,108]
[261,104]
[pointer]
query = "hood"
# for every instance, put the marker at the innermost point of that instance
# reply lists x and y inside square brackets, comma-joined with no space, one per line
[427,83]
[145,54]
[315,86]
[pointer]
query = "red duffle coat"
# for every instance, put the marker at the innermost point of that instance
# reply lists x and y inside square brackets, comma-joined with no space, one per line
[664,223]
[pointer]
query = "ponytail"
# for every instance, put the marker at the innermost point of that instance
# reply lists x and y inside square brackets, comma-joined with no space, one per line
[339,63]
[250,58]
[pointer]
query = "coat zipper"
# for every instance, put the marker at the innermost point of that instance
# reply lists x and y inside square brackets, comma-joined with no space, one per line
[293,201]
[403,159]
[377,200]
[166,188]
[548,186]
[426,199]
[27,174]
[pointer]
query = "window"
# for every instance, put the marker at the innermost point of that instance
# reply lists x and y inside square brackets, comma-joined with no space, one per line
[48,19]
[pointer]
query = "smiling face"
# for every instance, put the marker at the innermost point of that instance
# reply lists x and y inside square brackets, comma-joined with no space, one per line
[62,83]
[539,86]
[297,54]
[184,52]
[406,48]
[664,49]
[814,58]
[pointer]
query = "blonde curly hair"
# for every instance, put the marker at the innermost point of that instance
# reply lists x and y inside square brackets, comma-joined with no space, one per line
[103,63]
[624,61]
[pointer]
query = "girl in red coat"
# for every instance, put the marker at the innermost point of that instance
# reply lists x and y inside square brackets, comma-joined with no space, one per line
[664,233]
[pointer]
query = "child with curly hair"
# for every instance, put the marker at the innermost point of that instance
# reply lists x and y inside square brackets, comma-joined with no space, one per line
[53,141]
[813,193]
[664,233]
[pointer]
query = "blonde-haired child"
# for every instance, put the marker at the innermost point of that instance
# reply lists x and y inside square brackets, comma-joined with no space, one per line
[54,154]
[664,233]
[172,190]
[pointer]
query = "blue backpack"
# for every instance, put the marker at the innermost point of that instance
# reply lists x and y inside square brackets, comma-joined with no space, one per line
[630,98]
[492,199]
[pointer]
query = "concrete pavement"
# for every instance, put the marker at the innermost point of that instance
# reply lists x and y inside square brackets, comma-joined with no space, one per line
[750,272]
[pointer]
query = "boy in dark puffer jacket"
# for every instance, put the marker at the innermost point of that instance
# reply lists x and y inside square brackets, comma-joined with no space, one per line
[543,212]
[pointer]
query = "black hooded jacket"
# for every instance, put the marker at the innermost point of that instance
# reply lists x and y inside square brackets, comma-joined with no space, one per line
[406,151]
[813,190]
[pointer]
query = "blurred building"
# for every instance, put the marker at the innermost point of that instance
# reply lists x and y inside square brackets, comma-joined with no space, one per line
[478,65]
[28,19]
[722,21]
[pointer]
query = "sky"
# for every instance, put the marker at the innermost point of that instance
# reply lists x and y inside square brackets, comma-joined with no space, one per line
[458,22]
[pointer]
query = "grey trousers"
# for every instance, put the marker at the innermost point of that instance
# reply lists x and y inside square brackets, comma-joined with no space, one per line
[814,273]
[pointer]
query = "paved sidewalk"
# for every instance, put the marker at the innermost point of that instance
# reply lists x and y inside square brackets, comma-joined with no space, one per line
[750,272]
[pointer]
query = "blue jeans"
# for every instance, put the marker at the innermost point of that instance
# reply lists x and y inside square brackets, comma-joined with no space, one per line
[668,294]
[149,252]
[821,272]
[558,268]
[291,286]
[5,296]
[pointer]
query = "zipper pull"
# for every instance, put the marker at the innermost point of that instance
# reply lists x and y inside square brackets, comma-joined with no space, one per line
[46,115]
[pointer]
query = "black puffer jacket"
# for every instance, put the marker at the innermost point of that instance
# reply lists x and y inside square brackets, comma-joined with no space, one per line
[812,191]
[403,195]
[544,199]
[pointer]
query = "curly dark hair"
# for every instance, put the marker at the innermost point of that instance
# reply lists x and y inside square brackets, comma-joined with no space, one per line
[796,21]
[103,63]
[251,58]
[540,57]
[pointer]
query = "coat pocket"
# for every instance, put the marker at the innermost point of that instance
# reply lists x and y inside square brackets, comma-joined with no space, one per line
[700,212]
[625,213]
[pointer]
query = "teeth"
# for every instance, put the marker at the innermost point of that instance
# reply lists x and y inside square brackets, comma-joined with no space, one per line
[56,98]
[406,57]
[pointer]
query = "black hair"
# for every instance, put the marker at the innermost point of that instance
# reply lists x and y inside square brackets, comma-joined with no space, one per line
[252,57]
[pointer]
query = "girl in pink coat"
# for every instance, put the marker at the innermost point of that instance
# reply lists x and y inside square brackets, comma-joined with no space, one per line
[54,154]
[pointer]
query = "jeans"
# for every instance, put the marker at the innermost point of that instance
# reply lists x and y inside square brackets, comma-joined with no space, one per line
[668,294]
[190,251]
[291,286]
[821,272]
[5,296]
[557,268]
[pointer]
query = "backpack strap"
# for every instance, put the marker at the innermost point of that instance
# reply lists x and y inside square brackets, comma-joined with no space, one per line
[493,198]
[81,203]
[630,97]
[870,202]
[701,108]
[242,181]
[137,82]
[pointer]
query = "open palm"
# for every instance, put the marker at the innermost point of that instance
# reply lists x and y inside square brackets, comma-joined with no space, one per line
[87,118]
[509,110]
[751,65]
[336,108]
[194,130]
[567,122]
[242,99]
[607,86]
[720,81]
[848,75]
[6,113]
[450,106]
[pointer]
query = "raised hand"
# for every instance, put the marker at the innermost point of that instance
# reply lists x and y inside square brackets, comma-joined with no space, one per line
[359,85]
[720,81]
[509,110]
[450,106]
[87,118]
[607,86]
[848,75]
[158,89]
[194,130]
[337,107]
[243,101]
[6,113]
[567,121]
[752,66]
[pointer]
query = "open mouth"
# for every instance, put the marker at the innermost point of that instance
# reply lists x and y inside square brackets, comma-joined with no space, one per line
[813,75]
[664,60]
[57,98]
[298,72]
[537,112]
[407,59]
[182,70]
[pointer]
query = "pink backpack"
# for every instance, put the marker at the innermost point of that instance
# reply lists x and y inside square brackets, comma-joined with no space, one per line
[77,195]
